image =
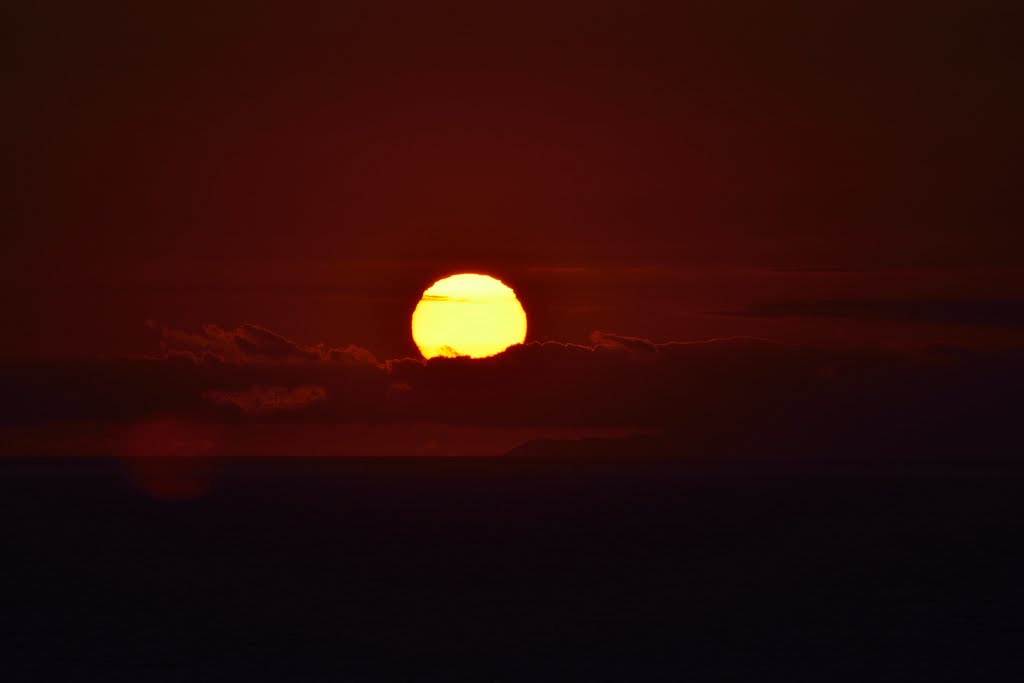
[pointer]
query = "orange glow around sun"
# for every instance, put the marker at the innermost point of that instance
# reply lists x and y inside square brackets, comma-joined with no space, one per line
[468,315]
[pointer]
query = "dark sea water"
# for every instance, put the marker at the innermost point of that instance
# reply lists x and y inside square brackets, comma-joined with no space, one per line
[518,569]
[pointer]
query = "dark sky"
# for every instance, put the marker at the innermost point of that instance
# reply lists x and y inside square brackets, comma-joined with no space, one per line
[226,184]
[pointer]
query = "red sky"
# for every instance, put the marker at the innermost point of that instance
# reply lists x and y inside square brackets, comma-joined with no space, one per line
[627,168]
[836,175]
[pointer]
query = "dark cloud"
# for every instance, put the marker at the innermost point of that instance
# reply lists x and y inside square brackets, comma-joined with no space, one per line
[1006,313]
[267,400]
[249,343]
[745,393]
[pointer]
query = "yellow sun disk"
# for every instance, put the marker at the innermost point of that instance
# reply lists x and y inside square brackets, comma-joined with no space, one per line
[468,315]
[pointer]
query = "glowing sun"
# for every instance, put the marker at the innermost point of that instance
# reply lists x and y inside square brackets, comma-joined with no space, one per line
[468,315]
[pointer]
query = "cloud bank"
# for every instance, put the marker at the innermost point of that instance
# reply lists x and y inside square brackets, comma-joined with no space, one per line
[724,393]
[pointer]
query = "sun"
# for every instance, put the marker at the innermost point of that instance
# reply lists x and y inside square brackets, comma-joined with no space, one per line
[468,315]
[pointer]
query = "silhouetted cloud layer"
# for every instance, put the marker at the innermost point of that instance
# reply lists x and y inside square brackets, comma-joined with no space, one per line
[251,344]
[266,400]
[1005,313]
[745,392]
